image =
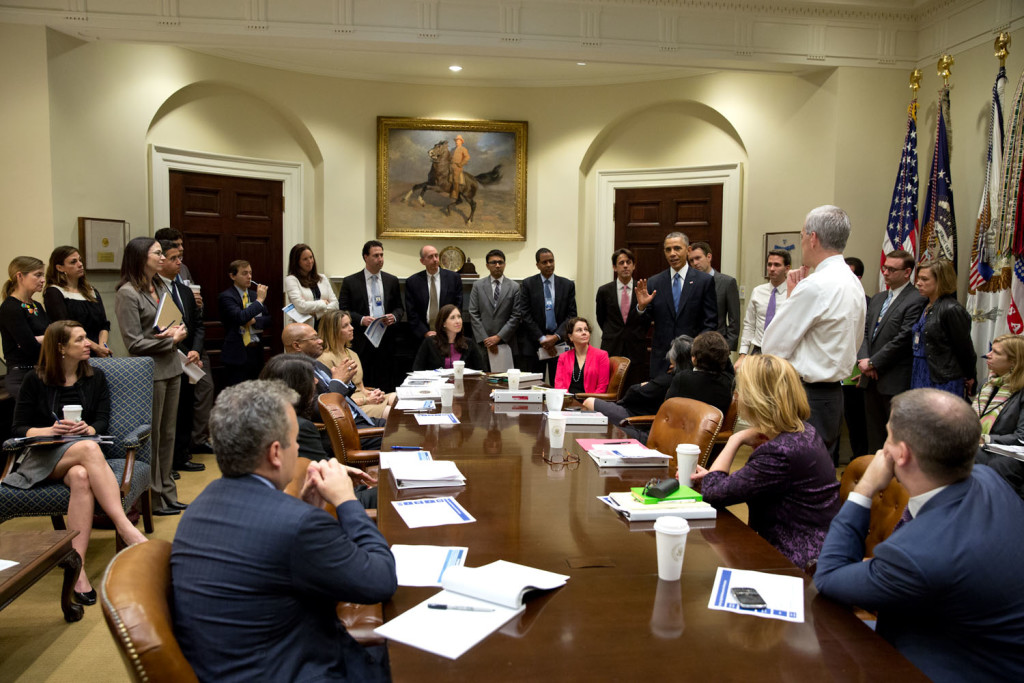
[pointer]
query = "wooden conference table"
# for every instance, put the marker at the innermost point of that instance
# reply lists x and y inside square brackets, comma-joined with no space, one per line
[613,620]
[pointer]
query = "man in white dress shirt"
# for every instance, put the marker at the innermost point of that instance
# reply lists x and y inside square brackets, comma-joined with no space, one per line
[821,324]
[764,303]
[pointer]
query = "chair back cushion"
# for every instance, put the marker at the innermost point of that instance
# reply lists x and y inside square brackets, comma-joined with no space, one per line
[729,423]
[886,507]
[339,423]
[618,366]
[685,420]
[131,400]
[136,598]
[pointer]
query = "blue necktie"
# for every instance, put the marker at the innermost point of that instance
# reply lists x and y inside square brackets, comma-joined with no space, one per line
[549,307]
[677,289]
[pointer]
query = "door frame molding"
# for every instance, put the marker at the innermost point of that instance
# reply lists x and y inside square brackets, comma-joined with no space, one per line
[729,176]
[163,160]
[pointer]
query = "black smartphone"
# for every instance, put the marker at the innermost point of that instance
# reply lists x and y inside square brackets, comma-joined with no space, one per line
[748,598]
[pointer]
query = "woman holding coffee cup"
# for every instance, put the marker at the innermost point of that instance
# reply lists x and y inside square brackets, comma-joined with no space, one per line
[789,483]
[69,296]
[448,345]
[583,368]
[65,396]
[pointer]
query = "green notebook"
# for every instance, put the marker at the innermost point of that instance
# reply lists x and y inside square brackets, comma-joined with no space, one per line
[680,494]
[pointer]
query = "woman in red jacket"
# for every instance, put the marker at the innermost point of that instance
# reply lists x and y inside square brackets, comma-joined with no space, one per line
[583,368]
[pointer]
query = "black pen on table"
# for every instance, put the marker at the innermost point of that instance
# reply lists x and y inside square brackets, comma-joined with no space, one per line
[407,448]
[461,608]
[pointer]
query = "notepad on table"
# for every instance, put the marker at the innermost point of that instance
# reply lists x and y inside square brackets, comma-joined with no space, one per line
[420,474]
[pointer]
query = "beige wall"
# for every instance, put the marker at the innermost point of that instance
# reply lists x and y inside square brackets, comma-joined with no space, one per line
[824,136]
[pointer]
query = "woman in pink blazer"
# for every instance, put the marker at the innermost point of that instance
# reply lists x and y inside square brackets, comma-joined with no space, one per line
[583,368]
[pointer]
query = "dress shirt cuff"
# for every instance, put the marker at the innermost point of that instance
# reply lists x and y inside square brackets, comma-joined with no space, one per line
[859,499]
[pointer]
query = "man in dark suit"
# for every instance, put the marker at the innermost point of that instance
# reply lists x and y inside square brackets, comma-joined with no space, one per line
[687,303]
[886,355]
[547,302]
[368,295]
[301,338]
[427,291]
[257,574]
[192,347]
[727,293]
[947,584]
[623,329]
[245,316]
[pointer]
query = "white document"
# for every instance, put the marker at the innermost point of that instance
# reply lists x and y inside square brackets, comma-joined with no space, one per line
[417,474]
[292,313]
[7,564]
[502,360]
[432,391]
[440,511]
[194,372]
[784,595]
[436,419]
[495,591]
[425,565]
[389,457]
[375,331]
[544,354]
[413,404]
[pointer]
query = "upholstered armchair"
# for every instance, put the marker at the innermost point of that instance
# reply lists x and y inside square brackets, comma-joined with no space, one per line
[618,366]
[345,437]
[131,407]
[682,420]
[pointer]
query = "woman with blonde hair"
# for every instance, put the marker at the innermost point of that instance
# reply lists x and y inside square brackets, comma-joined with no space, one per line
[22,320]
[69,296]
[789,483]
[944,356]
[336,331]
[999,407]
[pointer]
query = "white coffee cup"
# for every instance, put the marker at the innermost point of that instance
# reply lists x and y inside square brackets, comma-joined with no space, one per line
[555,398]
[195,288]
[73,413]
[670,533]
[513,379]
[556,430]
[687,455]
[459,367]
[447,394]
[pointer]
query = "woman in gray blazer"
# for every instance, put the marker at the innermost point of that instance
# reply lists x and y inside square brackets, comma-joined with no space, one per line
[138,299]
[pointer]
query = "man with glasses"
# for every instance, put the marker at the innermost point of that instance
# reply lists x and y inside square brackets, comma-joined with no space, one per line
[886,355]
[494,311]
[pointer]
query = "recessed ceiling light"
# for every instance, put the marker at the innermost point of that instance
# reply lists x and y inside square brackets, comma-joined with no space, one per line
[455,67]
[581,63]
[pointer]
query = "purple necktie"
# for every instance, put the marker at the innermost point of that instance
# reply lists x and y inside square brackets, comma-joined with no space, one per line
[770,311]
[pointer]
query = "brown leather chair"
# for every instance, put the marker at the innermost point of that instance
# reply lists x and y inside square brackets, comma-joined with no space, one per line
[618,366]
[729,423]
[136,597]
[886,507]
[345,438]
[682,420]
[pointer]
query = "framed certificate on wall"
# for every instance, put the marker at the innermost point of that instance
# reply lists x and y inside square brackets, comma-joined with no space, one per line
[101,242]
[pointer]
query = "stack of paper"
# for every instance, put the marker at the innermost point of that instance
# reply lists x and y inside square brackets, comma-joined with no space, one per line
[440,511]
[626,455]
[414,404]
[523,377]
[420,474]
[635,511]
[425,565]
[422,393]
[521,396]
[389,457]
[436,419]
[581,417]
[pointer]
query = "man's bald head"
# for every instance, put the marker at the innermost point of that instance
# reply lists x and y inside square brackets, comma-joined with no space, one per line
[301,338]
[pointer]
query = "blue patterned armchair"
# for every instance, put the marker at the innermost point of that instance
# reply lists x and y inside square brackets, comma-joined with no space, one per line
[131,409]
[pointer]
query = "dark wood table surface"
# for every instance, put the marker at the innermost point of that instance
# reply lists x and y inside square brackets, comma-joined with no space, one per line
[614,619]
[37,552]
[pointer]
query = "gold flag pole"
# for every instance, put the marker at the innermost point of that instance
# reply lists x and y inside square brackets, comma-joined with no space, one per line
[915,81]
[1002,47]
[943,67]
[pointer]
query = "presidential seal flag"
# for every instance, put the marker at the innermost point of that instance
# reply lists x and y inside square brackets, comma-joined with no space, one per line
[901,230]
[988,295]
[938,234]
[1009,229]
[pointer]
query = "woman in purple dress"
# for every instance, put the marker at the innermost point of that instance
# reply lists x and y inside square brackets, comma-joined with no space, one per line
[944,356]
[789,483]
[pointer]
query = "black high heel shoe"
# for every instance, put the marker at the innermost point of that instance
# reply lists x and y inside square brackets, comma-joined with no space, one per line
[86,598]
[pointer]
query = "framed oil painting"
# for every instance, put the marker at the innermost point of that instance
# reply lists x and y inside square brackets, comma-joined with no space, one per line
[446,178]
[787,241]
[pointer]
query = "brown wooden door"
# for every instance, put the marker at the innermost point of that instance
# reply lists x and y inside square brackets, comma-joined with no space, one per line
[224,218]
[643,216]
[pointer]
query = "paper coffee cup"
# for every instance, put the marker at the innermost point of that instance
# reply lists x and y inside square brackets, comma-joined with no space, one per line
[513,379]
[73,413]
[555,398]
[687,455]
[670,533]
[460,368]
[447,394]
[556,430]
[195,288]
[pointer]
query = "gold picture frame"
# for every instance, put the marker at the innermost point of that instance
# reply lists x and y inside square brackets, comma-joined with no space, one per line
[414,179]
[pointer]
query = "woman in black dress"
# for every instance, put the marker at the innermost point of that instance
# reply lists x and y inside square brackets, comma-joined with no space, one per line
[64,378]
[69,296]
[22,320]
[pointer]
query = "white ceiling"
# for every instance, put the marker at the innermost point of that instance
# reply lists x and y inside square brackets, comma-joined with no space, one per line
[508,43]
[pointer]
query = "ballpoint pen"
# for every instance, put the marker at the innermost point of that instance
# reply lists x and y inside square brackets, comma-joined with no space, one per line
[407,448]
[461,608]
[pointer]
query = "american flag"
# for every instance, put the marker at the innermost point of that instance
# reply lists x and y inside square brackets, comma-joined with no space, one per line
[938,236]
[901,230]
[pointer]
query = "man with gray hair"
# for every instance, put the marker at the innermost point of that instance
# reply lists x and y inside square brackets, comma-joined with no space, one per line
[687,304]
[257,574]
[946,584]
[820,325]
